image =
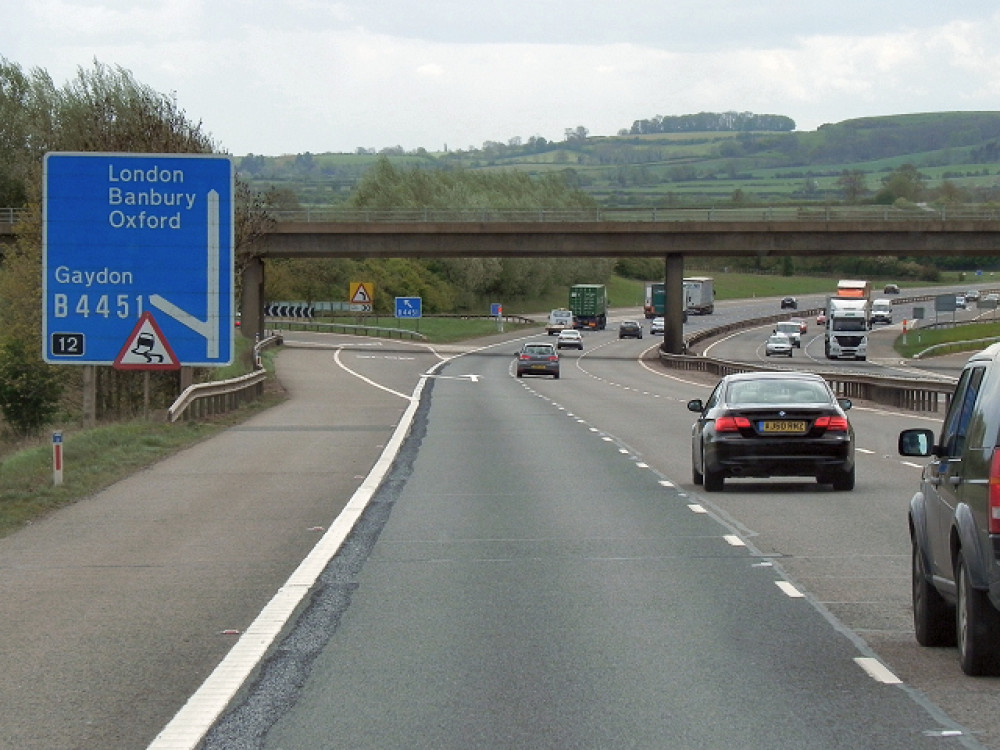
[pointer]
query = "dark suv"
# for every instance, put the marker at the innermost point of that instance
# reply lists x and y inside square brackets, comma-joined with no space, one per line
[955,521]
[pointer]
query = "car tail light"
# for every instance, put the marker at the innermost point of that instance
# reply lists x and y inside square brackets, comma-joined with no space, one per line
[553,357]
[832,424]
[994,499]
[732,424]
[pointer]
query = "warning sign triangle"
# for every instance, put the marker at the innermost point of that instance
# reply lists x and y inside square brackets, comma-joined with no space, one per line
[146,348]
[361,295]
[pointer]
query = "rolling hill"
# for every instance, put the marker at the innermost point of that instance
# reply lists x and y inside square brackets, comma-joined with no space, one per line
[711,167]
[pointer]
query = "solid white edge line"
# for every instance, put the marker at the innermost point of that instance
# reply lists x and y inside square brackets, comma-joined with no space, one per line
[877,670]
[199,713]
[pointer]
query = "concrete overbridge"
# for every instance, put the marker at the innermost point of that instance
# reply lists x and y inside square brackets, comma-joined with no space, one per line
[671,235]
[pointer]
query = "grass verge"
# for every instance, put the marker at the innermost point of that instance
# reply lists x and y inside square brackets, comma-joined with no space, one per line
[960,338]
[98,457]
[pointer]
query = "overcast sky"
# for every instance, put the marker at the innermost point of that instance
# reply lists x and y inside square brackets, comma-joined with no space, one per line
[307,75]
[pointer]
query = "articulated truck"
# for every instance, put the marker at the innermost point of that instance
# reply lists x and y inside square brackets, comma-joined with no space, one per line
[589,304]
[656,301]
[848,320]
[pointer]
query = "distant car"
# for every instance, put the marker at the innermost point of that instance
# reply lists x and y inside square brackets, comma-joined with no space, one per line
[891,289]
[821,319]
[778,344]
[657,326]
[792,330]
[960,302]
[569,340]
[990,299]
[764,424]
[789,303]
[538,358]
[803,326]
[629,329]
[972,295]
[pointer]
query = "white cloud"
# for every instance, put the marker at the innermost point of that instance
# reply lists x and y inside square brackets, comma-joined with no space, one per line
[315,76]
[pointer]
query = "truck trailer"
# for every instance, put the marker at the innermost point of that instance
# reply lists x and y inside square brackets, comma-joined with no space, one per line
[589,305]
[656,301]
[699,295]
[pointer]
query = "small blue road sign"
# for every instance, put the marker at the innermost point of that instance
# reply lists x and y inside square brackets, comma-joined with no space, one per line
[137,236]
[496,309]
[409,307]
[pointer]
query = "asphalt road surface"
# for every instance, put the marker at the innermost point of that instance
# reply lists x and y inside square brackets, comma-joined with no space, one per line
[117,609]
[531,579]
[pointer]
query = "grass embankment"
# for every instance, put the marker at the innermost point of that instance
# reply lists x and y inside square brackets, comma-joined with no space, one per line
[95,458]
[961,338]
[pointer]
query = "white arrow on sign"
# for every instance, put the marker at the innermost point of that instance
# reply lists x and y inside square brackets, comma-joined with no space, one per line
[208,328]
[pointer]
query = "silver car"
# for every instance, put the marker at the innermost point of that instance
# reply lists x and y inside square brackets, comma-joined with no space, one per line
[538,358]
[778,344]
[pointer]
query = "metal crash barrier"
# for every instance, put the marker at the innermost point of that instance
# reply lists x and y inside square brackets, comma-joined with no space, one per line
[221,396]
[920,395]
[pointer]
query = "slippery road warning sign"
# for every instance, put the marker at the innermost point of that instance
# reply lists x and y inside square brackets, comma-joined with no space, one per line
[146,348]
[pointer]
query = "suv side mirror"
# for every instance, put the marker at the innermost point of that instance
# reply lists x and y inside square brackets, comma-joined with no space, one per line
[916,442]
[696,405]
[845,403]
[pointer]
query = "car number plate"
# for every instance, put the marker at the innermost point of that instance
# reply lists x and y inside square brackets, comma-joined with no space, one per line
[787,426]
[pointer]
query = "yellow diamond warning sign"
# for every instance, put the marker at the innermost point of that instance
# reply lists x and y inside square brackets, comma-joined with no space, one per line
[146,348]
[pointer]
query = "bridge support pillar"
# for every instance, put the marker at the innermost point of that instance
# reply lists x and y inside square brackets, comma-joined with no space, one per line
[252,299]
[673,313]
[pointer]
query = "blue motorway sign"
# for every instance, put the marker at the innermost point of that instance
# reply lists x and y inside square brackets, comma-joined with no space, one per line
[409,307]
[137,240]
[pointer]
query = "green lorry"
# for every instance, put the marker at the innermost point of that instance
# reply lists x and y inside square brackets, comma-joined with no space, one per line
[589,303]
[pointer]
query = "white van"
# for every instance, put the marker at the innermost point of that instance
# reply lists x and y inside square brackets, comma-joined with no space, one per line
[882,311]
[792,329]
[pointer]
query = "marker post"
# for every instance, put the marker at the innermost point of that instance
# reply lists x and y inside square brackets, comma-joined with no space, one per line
[57,459]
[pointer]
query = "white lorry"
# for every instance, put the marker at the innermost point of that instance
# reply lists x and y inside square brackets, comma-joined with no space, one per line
[699,295]
[848,322]
[560,319]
